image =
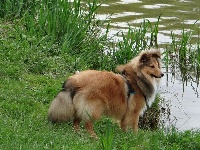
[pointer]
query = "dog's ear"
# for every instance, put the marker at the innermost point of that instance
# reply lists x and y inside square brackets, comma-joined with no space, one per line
[144,58]
[156,54]
[120,68]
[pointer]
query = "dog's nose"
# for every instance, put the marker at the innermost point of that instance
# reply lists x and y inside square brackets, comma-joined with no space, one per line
[162,74]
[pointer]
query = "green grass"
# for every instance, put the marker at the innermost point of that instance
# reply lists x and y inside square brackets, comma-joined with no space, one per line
[38,53]
[24,125]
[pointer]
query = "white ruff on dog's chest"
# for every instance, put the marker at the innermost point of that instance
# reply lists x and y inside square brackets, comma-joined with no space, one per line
[151,99]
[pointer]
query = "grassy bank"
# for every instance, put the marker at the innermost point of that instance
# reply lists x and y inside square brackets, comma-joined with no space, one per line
[24,125]
[39,48]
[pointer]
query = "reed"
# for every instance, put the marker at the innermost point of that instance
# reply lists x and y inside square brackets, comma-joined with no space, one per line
[183,56]
[136,39]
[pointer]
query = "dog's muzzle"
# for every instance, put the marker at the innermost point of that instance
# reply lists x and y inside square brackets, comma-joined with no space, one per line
[161,75]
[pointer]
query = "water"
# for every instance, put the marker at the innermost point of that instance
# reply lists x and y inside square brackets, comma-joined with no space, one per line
[175,15]
[184,101]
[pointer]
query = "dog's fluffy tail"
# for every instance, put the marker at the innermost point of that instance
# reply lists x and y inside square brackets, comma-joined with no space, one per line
[61,108]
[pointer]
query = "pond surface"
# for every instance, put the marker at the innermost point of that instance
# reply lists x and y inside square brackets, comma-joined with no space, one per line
[184,100]
[175,15]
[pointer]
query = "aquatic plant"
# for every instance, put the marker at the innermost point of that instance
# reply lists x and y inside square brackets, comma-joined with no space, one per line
[183,56]
[136,39]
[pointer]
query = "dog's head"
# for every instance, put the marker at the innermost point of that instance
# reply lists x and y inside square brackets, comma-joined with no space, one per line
[147,62]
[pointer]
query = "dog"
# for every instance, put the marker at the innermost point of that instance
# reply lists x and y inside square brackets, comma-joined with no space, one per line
[87,95]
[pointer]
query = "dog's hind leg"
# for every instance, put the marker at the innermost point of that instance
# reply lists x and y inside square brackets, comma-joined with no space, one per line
[88,110]
[76,123]
[96,114]
[89,128]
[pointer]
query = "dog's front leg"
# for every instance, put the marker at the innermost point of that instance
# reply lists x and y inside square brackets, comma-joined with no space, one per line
[135,122]
[123,125]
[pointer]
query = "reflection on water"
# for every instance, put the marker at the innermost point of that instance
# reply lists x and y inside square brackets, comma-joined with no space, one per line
[184,105]
[175,15]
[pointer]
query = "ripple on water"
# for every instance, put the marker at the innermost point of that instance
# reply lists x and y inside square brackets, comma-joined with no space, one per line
[192,22]
[129,1]
[124,14]
[156,6]
[142,19]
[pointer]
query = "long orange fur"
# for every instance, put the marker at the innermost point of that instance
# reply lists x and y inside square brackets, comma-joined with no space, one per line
[88,95]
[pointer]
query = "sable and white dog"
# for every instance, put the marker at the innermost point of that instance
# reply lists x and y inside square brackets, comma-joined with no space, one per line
[88,95]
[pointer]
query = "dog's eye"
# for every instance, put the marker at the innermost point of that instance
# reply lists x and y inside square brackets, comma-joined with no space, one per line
[152,66]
